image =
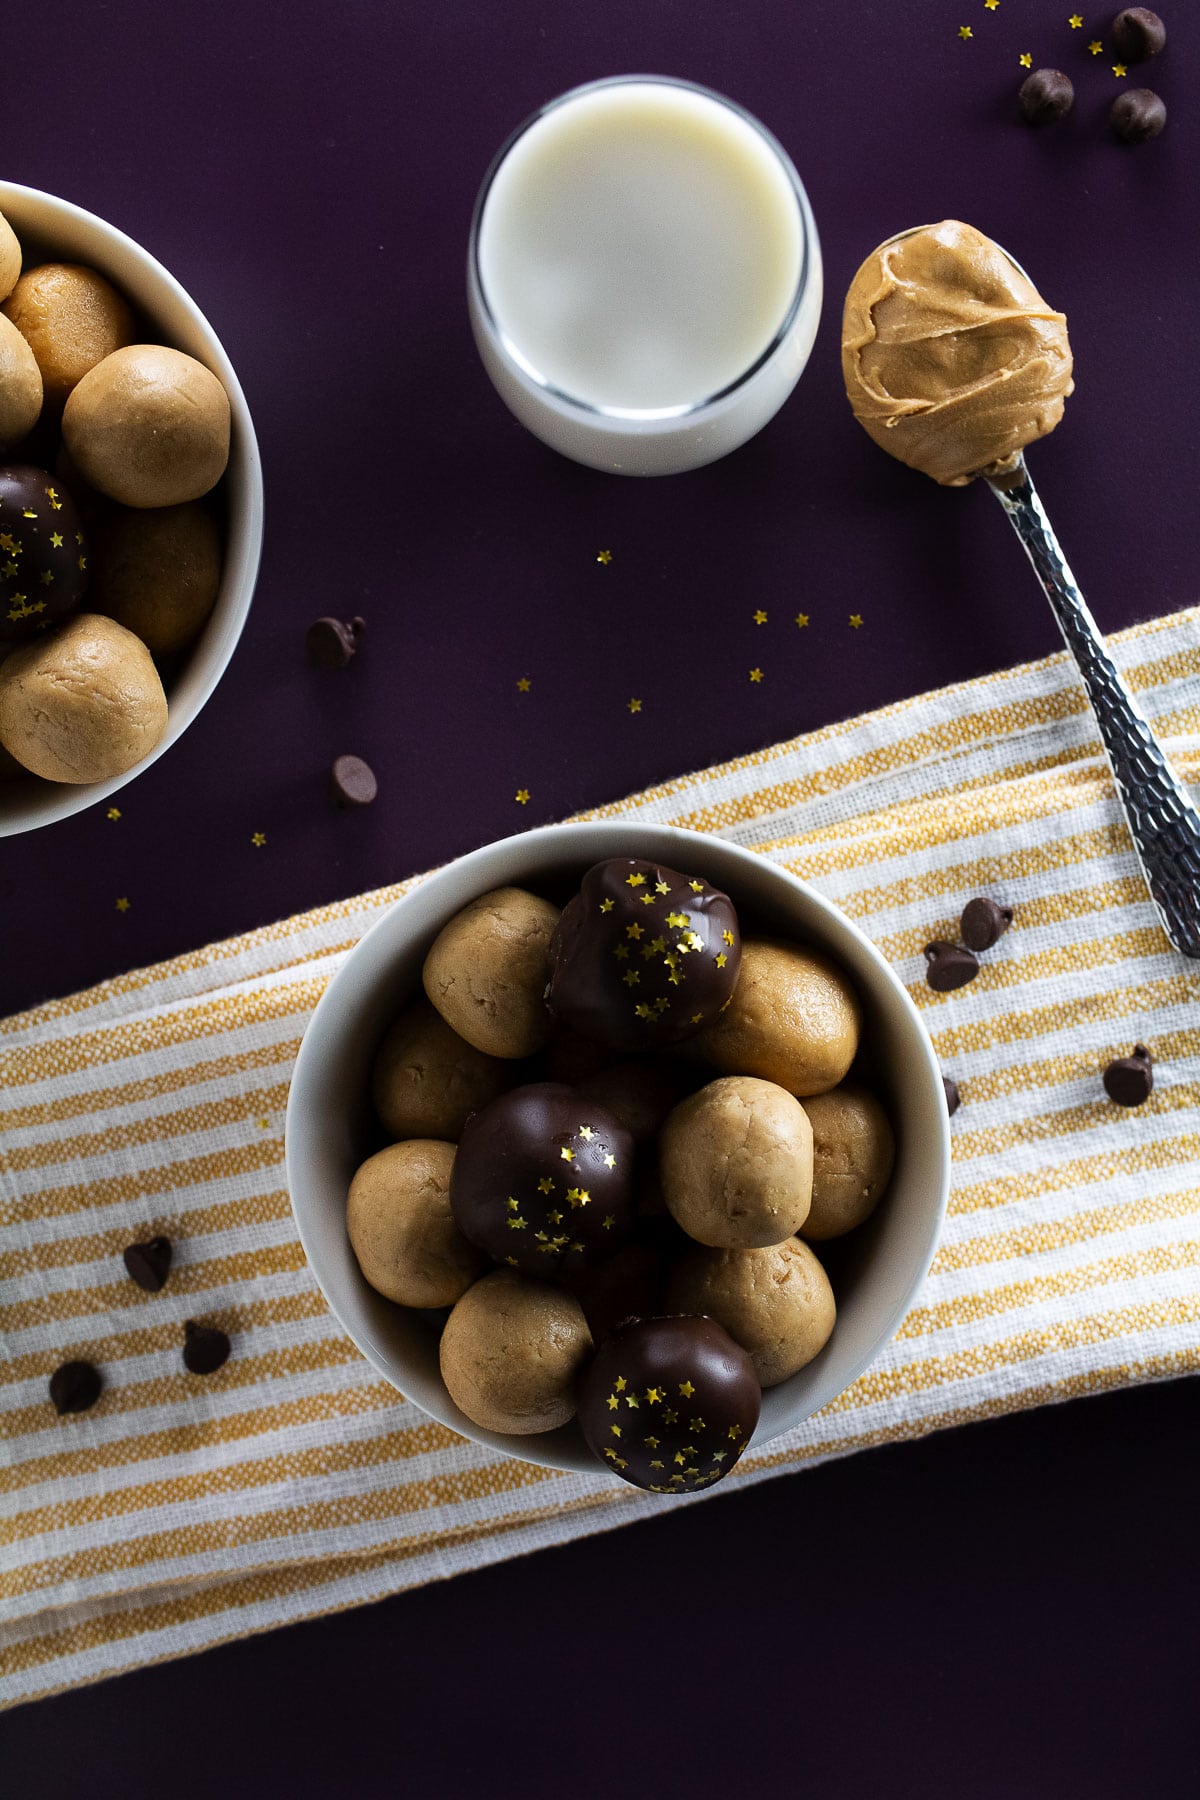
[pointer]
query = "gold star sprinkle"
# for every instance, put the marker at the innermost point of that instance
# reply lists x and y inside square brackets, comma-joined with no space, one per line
[607,905]
[523,684]
[965,32]
[610,1162]
[727,938]
[122,904]
[1075,21]
[661,887]
[259,839]
[567,1154]
[634,705]
[855,621]
[631,1400]
[555,1217]
[1025,60]
[635,880]
[634,931]
[263,1124]
[620,1384]
[991,5]
[1119,69]
[735,1431]
[522,796]
[722,959]
[631,978]
[56,541]
[114,812]
[1095,46]
[696,1424]
[653,1395]
[686,1389]
[802,620]
[760,617]
[83,562]
[607,1222]
[46,578]
[604,556]
[586,1133]
[613,1403]
[545,1185]
[646,899]
[616,1430]
[697,887]
[756,674]
[9,570]
[621,952]
[643,1011]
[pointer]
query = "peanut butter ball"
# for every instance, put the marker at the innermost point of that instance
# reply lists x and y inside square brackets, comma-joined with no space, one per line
[20,386]
[10,258]
[401,1228]
[775,1302]
[71,318]
[736,1163]
[853,1152]
[511,1352]
[81,703]
[427,1081]
[149,426]
[794,1019]
[158,573]
[486,972]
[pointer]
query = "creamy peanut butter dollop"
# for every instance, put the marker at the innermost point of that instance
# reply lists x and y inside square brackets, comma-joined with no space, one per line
[953,362]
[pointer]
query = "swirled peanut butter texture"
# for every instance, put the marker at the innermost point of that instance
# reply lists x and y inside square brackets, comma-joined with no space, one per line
[953,362]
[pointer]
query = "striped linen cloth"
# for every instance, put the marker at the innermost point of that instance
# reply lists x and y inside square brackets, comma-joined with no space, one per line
[181,1512]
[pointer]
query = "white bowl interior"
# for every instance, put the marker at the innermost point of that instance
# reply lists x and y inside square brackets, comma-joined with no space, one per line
[875,1272]
[49,227]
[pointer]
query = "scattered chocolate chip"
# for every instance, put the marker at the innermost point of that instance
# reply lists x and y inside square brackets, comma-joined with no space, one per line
[353,781]
[953,1097]
[1138,33]
[1046,95]
[950,967]
[74,1386]
[148,1263]
[1129,1079]
[204,1347]
[983,922]
[332,642]
[1137,115]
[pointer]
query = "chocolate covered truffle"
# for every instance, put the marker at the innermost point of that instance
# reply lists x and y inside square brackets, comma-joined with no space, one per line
[543,1181]
[669,1404]
[643,956]
[43,556]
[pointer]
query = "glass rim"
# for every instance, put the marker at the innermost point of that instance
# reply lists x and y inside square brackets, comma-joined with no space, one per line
[655,414]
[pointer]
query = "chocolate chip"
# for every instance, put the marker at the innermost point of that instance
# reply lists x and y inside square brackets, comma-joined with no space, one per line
[1046,95]
[950,967]
[148,1263]
[1129,1079]
[74,1386]
[983,922]
[953,1097]
[353,781]
[204,1347]
[332,642]
[1137,115]
[1138,33]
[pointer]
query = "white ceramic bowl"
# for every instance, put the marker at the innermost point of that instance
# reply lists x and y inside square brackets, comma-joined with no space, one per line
[329,1130]
[55,229]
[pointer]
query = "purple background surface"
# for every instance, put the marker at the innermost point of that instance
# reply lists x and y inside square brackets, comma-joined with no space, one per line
[979,1614]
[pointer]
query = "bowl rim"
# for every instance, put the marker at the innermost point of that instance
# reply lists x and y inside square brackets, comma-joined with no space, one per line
[626,837]
[240,572]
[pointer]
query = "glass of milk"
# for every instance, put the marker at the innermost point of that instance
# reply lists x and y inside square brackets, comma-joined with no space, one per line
[644,275]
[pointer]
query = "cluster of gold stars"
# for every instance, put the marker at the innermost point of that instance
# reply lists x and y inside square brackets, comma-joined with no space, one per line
[1025,59]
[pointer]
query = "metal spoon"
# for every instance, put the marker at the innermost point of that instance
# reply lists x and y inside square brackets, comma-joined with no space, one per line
[1162,819]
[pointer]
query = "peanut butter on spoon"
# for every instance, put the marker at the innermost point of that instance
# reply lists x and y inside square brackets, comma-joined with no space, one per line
[952,360]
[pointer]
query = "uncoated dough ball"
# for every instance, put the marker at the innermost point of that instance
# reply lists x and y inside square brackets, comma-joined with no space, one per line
[71,318]
[511,1352]
[486,972]
[736,1163]
[81,703]
[776,1302]
[20,386]
[402,1230]
[427,1081]
[794,1019]
[158,573]
[149,426]
[10,258]
[853,1152]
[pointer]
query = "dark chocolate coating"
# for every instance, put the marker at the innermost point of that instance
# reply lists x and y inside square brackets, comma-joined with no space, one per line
[669,1404]
[543,1181]
[1129,1080]
[643,956]
[43,555]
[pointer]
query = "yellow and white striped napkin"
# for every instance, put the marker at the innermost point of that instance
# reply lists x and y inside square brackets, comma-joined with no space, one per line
[179,1512]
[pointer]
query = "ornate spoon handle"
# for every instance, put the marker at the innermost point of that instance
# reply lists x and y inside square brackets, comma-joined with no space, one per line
[1162,820]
